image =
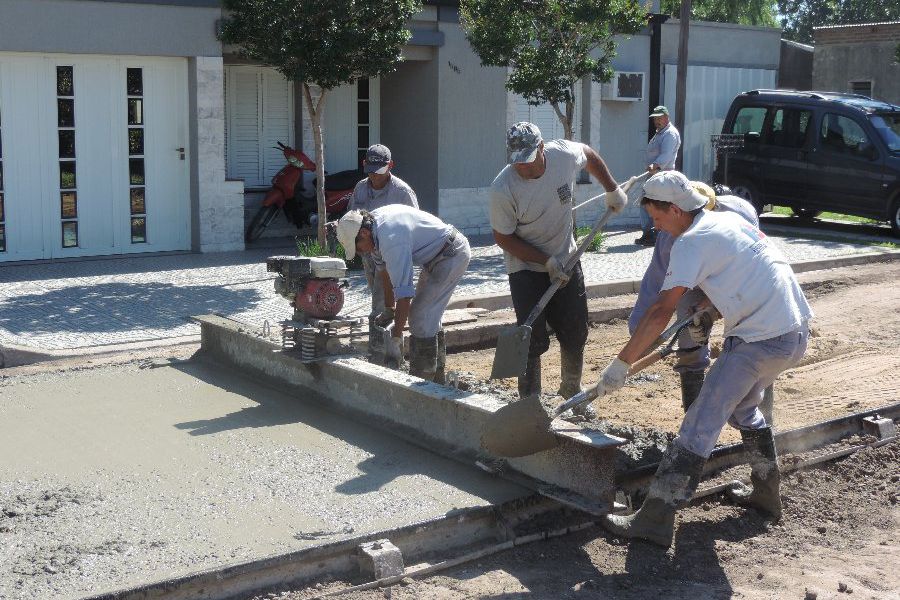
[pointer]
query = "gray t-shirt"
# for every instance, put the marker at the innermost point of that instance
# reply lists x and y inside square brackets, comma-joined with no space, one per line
[539,211]
[397,191]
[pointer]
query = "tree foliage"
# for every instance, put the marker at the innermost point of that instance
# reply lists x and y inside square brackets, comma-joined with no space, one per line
[798,17]
[744,12]
[322,43]
[549,45]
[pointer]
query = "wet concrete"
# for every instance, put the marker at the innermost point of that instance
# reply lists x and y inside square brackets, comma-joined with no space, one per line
[121,475]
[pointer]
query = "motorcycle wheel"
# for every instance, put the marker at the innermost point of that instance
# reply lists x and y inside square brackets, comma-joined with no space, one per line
[263,217]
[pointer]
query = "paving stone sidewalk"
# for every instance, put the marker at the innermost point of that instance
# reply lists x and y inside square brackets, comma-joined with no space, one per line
[71,305]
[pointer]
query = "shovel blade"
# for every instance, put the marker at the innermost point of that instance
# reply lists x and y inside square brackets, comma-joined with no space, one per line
[511,355]
[518,429]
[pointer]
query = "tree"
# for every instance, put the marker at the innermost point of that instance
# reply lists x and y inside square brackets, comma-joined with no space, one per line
[745,12]
[550,45]
[800,16]
[322,44]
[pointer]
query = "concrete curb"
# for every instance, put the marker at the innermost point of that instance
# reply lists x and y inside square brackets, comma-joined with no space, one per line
[619,287]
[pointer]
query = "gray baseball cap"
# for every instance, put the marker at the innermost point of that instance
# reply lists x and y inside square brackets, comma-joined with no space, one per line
[522,142]
[378,158]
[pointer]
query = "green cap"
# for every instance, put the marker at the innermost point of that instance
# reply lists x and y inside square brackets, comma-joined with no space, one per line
[660,111]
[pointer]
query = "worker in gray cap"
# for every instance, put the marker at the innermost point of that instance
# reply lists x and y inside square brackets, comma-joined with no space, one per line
[379,188]
[531,216]
[661,153]
[749,281]
[397,238]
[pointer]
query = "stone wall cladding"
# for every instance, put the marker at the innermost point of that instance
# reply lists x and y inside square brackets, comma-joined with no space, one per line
[467,209]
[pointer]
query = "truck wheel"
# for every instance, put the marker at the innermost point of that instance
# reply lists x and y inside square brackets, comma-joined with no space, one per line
[748,191]
[806,214]
[895,217]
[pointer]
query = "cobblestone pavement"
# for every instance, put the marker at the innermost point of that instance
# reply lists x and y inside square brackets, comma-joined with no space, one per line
[70,305]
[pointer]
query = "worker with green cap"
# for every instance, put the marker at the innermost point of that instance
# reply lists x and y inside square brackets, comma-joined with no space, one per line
[661,153]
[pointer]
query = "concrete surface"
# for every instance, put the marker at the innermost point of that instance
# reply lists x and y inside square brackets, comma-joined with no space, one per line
[68,307]
[117,476]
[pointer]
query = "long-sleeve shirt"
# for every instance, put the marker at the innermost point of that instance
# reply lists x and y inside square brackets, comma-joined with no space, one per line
[663,148]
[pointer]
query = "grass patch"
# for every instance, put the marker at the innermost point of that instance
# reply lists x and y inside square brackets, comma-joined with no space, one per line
[596,244]
[310,246]
[784,210]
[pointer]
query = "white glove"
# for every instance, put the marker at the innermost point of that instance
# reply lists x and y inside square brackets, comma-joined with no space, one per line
[556,271]
[616,200]
[613,376]
[393,348]
[385,318]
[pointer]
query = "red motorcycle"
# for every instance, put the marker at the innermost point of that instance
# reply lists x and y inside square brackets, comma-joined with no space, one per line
[294,192]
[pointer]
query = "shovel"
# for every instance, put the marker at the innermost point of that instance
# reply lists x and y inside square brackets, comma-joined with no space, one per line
[523,427]
[511,355]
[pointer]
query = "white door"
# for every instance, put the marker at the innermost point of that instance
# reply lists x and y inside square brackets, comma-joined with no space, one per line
[547,120]
[94,155]
[350,126]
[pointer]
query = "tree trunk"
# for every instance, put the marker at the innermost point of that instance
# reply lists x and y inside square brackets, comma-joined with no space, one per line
[681,77]
[315,116]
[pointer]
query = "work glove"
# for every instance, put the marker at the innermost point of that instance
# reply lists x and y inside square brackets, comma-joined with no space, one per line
[385,318]
[394,348]
[701,326]
[556,271]
[616,200]
[613,377]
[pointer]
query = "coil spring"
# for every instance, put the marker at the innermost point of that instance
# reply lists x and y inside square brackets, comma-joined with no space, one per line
[356,331]
[287,336]
[308,343]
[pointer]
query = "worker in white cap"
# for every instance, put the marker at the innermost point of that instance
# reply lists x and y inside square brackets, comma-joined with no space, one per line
[749,281]
[398,238]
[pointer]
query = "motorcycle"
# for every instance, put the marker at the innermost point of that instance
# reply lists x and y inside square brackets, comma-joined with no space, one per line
[294,192]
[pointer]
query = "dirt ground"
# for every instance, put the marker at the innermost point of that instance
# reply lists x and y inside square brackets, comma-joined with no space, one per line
[850,366]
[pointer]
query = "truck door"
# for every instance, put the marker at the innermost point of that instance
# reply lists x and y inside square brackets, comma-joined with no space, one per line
[785,148]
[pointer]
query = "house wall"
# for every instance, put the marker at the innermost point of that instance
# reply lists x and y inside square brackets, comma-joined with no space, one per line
[99,27]
[724,44]
[795,68]
[853,53]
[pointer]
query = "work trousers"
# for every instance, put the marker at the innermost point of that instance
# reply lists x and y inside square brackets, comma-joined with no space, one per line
[566,312]
[376,286]
[691,356]
[734,386]
[437,280]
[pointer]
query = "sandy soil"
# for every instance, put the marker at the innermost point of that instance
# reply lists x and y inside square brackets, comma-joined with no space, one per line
[850,366]
[840,538]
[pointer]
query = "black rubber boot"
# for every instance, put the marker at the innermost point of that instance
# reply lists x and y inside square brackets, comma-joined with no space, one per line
[676,479]
[765,492]
[571,368]
[530,382]
[423,357]
[691,382]
[440,375]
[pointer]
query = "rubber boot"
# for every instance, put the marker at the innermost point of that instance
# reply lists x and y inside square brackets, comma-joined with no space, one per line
[530,382]
[676,479]
[423,357]
[765,492]
[440,375]
[691,382]
[571,367]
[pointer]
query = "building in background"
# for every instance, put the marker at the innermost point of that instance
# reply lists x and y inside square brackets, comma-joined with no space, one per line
[858,59]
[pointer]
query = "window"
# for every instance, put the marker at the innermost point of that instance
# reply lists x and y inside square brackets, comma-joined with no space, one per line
[137,182]
[863,88]
[841,134]
[886,124]
[749,119]
[259,108]
[362,119]
[65,121]
[789,127]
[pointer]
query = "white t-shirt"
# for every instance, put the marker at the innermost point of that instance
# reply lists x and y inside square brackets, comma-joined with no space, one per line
[746,277]
[538,210]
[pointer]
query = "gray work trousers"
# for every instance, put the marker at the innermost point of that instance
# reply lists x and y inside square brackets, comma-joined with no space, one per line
[376,286]
[437,280]
[734,386]
[691,356]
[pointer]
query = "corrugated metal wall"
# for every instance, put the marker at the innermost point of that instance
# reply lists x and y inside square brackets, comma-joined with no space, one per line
[710,91]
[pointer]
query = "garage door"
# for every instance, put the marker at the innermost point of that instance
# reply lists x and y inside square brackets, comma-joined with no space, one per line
[93,153]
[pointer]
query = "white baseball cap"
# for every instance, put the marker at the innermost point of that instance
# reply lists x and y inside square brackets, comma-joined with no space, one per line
[674,187]
[347,230]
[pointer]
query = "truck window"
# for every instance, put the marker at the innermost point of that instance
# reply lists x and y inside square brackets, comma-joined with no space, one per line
[888,127]
[749,119]
[788,128]
[843,135]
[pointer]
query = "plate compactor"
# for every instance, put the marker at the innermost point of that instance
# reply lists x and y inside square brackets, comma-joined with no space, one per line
[315,288]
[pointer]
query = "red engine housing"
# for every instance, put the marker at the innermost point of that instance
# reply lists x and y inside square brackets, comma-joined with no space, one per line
[320,298]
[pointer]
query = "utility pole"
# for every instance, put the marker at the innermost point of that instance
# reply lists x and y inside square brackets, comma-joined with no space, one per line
[681,83]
